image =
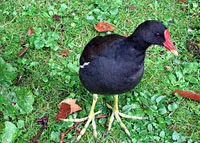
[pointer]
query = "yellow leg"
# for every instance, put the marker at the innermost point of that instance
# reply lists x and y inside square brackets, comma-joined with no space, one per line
[89,119]
[117,115]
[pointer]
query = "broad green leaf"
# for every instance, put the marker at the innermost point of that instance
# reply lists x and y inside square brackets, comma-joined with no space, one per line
[163,110]
[20,124]
[129,107]
[9,133]
[45,79]
[172,107]
[90,18]
[96,10]
[55,136]
[172,79]
[7,72]
[175,136]
[7,108]
[160,98]
[162,134]
[1,28]
[34,64]
[73,68]
[150,127]
[25,100]
[39,43]
[192,79]
[63,7]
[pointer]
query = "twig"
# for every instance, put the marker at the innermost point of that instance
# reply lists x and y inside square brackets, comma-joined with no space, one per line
[62,136]
[43,121]
[7,23]
[101,116]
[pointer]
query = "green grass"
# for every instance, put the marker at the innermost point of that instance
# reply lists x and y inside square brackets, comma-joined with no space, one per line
[47,77]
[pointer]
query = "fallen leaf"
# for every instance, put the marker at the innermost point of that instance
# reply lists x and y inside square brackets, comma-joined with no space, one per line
[64,111]
[73,106]
[183,1]
[68,101]
[131,7]
[30,31]
[23,43]
[65,52]
[56,17]
[187,94]
[168,68]
[22,52]
[125,35]
[103,27]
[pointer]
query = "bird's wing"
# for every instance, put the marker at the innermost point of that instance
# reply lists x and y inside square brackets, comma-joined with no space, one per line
[96,45]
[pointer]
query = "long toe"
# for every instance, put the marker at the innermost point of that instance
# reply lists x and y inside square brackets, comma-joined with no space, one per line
[91,118]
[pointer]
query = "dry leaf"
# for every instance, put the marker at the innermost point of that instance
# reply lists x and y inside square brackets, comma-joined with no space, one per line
[68,101]
[103,27]
[30,31]
[187,94]
[23,43]
[168,68]
[56,17]
[65,52]
[183,1]
[73,106]
[64,111]
[22,52]
[125,35]
[131,7]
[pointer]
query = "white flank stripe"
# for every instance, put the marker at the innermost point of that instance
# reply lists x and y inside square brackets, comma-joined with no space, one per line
[85,64]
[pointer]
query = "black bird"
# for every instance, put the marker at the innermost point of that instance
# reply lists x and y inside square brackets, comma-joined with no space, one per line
[114,64]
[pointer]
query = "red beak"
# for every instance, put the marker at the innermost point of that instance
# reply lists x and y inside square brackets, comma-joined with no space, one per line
[168,44]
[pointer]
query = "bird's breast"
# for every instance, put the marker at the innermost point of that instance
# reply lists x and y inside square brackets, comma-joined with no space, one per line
[110,77]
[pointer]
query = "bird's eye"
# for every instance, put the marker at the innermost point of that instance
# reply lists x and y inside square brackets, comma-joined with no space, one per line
[157,34]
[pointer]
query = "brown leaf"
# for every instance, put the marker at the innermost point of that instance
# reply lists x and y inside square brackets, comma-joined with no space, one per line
[168,68]
[131,7]
[30,31]
[187,94]
[65,52]
[183,1]
[68,101]
[22,52]
[73,106]
[56,17]
[23,43]
[64,111]
[125,35]
[103,27]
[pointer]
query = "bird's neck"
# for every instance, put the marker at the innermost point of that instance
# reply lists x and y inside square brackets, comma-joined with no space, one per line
[140,45]
[136,49]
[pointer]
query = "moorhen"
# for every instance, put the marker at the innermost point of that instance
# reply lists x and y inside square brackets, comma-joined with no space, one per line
[114,64]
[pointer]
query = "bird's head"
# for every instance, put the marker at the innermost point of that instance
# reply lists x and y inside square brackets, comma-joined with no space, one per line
[154,32]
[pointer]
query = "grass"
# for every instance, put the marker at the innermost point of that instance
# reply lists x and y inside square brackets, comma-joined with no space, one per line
[42,77]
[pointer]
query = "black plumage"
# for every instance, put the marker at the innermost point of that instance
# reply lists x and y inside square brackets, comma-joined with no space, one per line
[115,63]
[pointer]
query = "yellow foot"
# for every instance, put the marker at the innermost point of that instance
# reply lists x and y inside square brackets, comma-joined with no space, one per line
[116,114]
[89,119]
